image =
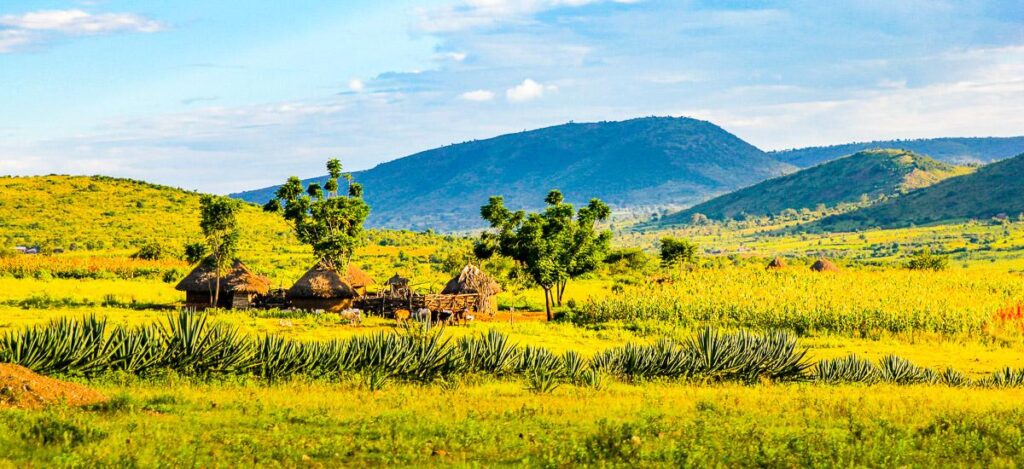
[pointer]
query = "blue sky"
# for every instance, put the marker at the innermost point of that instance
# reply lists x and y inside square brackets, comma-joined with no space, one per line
[212,96]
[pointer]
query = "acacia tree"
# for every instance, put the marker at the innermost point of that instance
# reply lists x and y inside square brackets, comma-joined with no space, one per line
[330,223]
[550,247]
[219,224]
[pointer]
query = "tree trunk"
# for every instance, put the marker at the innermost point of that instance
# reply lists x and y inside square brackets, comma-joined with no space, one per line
[547,302]
[216,290]
[561,290]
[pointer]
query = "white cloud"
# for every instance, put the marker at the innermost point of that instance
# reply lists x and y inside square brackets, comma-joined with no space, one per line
[455,56]
[11,39]
[477,96]
[356,85]
[18,31]
[80,23]
[528,90]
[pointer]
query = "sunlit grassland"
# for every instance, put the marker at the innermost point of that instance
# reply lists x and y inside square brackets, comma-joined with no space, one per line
[483,421]
[852,302]
[975,244]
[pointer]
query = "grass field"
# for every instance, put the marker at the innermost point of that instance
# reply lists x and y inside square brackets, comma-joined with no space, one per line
[498,423]
[874,308]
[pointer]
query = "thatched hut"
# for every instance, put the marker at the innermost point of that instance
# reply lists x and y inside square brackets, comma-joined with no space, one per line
[322,287]
[358,280]
[473,281]
[398,285]
[776,264]
[824,265]
[239,286]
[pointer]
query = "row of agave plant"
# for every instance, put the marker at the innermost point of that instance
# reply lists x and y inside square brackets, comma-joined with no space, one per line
[190,345]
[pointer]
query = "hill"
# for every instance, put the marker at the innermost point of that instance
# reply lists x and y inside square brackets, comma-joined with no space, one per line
[993,190]
[649,161]
[950,150]
[107,214]
[872,173]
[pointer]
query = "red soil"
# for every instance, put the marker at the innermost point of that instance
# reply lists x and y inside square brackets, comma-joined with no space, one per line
[24,389]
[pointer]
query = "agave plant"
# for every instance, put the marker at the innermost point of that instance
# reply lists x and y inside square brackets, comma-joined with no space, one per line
[64,346]
[542,381]
[1006,378]
[491,353]
[898,370]
[277,358]
[953,378]
[193,347]
[849,369]
[536,358]
[136,350]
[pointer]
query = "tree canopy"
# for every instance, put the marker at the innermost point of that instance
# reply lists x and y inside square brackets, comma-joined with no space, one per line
[552,246]
[677,251]
[219,222]
[330,223]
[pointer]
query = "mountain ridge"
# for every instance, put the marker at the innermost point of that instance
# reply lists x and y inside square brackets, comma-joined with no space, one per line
[993,190]
[955,150]
[877,173]
[646,161]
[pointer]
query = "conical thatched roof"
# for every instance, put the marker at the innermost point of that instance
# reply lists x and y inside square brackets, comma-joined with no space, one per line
[470,281]
[777,264]
[397,280]
[237,279]
[824,265]
[357,278]
[321,282]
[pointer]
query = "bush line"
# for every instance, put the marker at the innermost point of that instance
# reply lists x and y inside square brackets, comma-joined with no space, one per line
[190,345]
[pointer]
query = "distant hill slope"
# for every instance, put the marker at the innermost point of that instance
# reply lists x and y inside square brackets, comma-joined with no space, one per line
[103,213]
[950,150]
[649,161]
[872,173]
[994,189]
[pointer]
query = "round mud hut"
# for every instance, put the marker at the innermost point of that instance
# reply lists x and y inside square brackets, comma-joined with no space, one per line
[322,288]
[824,265]
[239,286]
[473,281]
[776,264]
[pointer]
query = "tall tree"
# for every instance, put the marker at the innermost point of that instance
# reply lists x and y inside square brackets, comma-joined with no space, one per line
[330,223]
[219,223]
[551,247]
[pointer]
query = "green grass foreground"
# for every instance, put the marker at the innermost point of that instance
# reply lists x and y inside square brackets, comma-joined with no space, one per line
[492,422]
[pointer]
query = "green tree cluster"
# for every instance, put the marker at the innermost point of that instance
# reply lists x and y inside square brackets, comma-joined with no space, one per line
[551,247]
[330,223]
[677,252]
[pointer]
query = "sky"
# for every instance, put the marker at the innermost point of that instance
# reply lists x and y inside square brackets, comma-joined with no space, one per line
[217,97]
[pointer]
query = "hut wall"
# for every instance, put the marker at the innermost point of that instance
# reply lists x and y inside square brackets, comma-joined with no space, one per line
[201,300]
[241,301]
[333,305]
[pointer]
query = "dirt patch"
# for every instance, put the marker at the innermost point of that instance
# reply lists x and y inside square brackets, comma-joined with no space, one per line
[518,316]
[22,388]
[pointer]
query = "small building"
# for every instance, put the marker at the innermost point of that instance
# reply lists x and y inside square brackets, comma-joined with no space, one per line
[239,286]
[473,281]
[397,286]
[322,288]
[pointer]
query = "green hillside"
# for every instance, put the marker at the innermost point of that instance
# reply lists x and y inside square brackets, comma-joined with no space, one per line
[949,150]
[103,213]
[650,161]
[995,189]
[871,173]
